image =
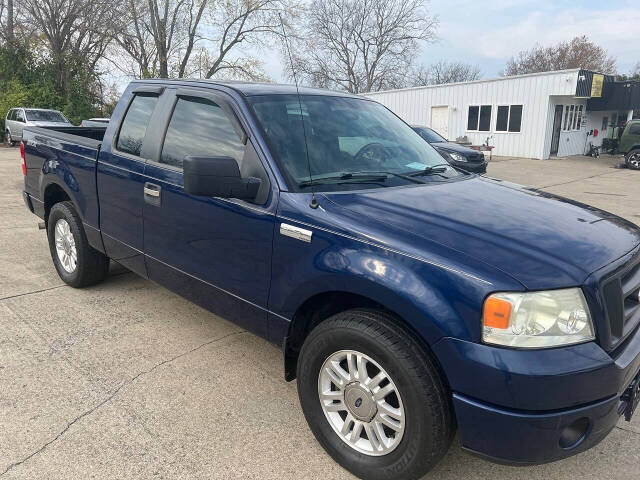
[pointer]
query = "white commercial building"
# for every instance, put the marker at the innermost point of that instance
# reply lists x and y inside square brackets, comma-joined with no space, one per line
[536,115]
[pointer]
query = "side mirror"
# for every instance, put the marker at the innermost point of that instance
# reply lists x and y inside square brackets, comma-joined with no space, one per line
[217,177]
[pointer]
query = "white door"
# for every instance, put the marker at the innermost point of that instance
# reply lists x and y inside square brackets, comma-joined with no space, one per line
[440,120]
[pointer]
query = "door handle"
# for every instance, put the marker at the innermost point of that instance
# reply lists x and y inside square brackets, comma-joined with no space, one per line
[152,189]
[152,193]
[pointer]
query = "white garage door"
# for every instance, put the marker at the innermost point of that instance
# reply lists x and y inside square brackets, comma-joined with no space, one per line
[440,120]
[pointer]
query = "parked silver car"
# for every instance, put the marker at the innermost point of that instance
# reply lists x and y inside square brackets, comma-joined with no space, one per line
[18,118]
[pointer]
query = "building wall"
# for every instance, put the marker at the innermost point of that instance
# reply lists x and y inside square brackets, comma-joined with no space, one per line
[572,142]
[531,91]
[594,121]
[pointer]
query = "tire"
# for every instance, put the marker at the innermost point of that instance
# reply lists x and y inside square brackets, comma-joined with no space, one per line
[632,159]
[88,266]
[426,431]
[10,141]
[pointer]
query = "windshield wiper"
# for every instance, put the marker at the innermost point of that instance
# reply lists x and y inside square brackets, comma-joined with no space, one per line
[346,177]
[439,168]
[399,175]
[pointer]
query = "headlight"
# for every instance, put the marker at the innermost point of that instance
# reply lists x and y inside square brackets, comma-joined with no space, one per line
[456,156]
[537,319]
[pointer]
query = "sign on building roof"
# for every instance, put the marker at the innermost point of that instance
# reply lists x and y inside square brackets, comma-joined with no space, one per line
[596,85]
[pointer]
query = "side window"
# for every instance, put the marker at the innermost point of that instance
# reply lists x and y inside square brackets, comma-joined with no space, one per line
[472,119]
[134,125]
[10,114]
[479,118]
[199,127]
[515,118]
[634,129]
[20,116]
[502,119]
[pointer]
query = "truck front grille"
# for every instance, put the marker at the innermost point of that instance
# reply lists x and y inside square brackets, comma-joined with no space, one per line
[621,293]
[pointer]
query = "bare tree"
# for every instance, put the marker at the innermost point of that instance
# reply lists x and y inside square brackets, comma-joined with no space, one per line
[10,25]
[199,37]
[251,22]
[136,41]
[174,25]
[362,45]
[579,52]
[446,72]
[76,33]
[10,21]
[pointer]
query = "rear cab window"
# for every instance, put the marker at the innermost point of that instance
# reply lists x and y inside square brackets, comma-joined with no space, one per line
[135,123]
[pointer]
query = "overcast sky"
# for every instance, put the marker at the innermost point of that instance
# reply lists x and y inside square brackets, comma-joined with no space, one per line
[490,32]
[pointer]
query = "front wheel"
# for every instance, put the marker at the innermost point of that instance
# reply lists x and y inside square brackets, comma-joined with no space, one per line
[78,264]
[10,141]
[633,159]
[373,398]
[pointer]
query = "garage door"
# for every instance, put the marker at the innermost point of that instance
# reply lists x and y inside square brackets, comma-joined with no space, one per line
[440,120]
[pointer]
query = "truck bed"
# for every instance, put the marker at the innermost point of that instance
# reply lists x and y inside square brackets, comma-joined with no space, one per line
[66,156]
[88,136]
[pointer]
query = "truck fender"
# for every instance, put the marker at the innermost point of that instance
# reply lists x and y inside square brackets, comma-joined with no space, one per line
[433,302]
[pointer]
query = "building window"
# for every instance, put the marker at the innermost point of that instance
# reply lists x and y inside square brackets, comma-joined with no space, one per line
[578,118]
[509,118]
[573,115]
[502,120]
[479,118]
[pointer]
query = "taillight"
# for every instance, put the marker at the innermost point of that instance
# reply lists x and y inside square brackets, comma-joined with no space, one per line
[24,161]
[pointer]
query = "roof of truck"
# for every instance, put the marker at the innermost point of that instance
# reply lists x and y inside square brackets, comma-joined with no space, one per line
[252,88]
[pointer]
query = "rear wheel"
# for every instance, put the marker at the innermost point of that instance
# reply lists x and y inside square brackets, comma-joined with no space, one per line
[373,398]
[633,159]
[77,263]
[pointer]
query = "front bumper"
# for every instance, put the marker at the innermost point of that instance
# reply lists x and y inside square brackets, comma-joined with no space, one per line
[525,438]
[536,406]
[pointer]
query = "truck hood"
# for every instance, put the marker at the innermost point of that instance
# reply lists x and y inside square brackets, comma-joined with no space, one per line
[541,240]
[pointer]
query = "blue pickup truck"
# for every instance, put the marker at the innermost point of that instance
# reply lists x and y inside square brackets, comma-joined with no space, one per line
[411,299]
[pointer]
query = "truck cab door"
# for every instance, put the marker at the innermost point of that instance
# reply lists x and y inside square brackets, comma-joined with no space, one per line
[120,180]
[214,251]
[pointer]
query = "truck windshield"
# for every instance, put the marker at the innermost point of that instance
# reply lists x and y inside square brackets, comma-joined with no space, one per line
[347,138]
[45,116]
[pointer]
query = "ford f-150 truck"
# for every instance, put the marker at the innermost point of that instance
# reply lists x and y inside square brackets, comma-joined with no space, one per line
[410,298]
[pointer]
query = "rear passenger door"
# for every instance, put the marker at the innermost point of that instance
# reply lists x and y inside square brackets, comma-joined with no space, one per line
[216,252]
[120,178]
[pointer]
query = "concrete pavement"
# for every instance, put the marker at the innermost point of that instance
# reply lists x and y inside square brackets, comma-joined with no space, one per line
[127,380]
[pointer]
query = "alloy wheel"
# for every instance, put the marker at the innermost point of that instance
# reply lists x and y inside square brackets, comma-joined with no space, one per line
[361,402]
[65,245]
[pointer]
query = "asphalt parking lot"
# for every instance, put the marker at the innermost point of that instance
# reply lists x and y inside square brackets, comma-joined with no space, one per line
[128,380]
